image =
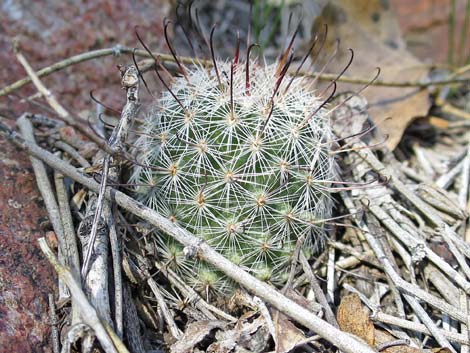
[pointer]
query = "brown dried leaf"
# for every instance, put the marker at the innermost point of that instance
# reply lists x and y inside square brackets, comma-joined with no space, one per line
[226,342]
[287,334]
[249,322]
[250,333]
[195,333]
[371,29]
[353,318]
[79,198]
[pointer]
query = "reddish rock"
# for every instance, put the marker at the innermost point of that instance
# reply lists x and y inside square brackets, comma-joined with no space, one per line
[50,31]
[25,277]
[425,26]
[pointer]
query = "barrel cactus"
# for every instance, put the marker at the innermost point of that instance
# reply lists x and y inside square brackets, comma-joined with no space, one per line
[239,155]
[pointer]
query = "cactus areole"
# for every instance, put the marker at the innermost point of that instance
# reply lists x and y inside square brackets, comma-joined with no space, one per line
[239,155]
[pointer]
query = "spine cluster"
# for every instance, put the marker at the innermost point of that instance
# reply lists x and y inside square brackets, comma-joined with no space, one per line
[238,155]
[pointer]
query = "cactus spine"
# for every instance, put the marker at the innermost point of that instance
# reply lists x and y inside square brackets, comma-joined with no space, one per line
[239,156]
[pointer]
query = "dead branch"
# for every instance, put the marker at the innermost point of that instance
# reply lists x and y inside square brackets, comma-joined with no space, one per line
[118,49]
[108,339]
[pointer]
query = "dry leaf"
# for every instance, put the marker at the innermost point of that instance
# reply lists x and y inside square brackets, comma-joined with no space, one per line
[353,318]
[250,333]
[79,198]
[287,334]
[249,322]
[371,29]
[194,334]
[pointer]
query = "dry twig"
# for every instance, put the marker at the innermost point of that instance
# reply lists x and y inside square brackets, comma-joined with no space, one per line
[108,339]
[118,50]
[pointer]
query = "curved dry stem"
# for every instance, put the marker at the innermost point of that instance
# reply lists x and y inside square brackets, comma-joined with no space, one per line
[118,49]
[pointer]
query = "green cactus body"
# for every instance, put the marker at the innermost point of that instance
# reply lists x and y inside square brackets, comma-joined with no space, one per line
[248,176]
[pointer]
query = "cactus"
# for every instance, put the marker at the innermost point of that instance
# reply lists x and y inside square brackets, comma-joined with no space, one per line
[238,155]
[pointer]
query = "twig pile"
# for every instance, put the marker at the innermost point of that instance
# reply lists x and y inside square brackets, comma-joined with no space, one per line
[404,251]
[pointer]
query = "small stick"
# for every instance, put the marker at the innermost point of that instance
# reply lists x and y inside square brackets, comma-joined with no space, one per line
[46,121]
[55,329]
[144,273]
[174,330]
[131,322]
[206,308]
[445,180]
[130,82]
[384,240]
[45,188]
[118,291]
[69,235]
[463,327]
[395,277]
[330,274]
[385,345]
[303,316]
[399,215]
[108,340]
[96,281]
[55,105]
[44,185]
[73,60]
[431,326]
[67,222]
[330,317]
[72,152]
[96,219]
[443,284]
[450,109]
[418,246]
[440,201]
[367,256]
[118,49]
[263,309]
[306,341]
[464,181]
[417,327]
[423,161]
[405,256]
[414,175]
